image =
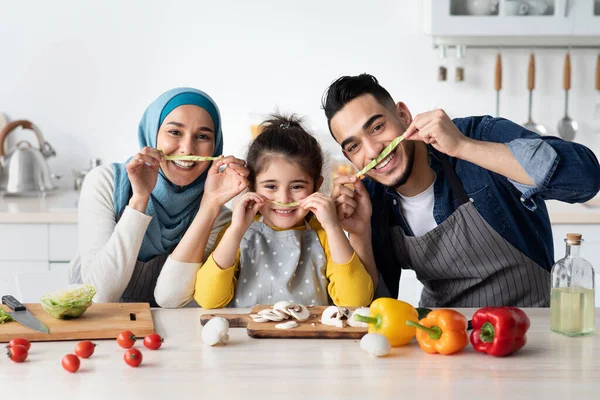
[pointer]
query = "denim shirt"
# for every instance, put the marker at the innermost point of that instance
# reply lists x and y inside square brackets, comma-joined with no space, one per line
[561,170]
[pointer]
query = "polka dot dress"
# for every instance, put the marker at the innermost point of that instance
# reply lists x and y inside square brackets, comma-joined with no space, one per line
[281,265]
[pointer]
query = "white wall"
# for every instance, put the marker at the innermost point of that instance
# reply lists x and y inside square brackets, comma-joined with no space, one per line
[85,71]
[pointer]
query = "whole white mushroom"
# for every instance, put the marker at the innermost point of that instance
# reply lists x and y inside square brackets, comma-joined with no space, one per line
[375,344]
[216,331]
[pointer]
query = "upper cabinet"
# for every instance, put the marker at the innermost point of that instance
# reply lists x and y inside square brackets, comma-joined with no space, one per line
[586,18]
[506,22]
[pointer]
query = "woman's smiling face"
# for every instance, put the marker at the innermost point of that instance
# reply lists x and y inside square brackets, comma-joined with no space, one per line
[187,130]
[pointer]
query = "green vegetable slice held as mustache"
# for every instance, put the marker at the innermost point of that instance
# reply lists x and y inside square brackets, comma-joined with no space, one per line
[292,204]
[386,152]
[189,158]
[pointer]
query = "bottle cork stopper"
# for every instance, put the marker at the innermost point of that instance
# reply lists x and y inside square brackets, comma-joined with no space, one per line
[574,238]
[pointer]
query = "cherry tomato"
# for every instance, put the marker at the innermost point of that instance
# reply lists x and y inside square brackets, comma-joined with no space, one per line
[153,341]
[126,339]
[17,353]
[71,362]
[85,349]
[20,341]
[133,357]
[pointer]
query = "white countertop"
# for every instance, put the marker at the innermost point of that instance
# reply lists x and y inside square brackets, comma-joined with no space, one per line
[61,208]
[550,366]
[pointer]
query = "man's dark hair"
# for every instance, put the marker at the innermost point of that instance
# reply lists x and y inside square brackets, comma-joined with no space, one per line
[347,88]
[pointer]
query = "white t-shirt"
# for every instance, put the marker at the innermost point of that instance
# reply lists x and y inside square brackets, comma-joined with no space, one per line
[418,211]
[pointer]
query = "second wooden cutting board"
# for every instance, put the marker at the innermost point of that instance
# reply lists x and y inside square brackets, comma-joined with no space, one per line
[311,328]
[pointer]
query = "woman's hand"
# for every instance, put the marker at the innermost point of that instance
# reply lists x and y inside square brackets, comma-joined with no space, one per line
[245,210]
[324,209]
[142,171]
[220,187]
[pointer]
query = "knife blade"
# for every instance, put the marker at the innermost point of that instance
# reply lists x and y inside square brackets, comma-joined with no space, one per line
[22,316]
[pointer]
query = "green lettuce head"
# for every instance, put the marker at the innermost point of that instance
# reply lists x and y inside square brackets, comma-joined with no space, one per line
[70,303]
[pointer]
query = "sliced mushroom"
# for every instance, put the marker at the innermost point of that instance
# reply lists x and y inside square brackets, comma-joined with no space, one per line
[272,315]
[283,306]
[300,312]
[365,311]
[287,325]
[334,316]
[258,318]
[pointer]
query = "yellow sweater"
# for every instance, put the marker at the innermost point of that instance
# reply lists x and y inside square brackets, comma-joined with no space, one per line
[349,283]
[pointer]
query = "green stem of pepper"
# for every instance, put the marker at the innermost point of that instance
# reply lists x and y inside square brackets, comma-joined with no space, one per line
[377,320]
[434,332]
[487,333]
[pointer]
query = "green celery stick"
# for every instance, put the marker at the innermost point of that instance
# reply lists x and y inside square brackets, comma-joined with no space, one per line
[188,158]
[292,204]
[191,158]
[386,152]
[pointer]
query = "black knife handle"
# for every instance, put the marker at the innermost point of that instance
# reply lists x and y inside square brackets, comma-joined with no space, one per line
[13,303]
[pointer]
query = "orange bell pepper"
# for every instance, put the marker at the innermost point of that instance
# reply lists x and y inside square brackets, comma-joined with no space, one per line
[442,331]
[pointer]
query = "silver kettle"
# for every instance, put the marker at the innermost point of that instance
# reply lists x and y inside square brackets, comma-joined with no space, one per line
[23,169]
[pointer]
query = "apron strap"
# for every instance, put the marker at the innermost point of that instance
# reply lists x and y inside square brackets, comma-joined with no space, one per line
[455,183]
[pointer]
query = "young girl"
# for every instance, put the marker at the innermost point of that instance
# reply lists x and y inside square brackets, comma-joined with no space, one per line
[295,249]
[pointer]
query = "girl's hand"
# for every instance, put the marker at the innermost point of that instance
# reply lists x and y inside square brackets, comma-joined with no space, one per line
[245,210]
[324,209]
[220,187]
[142,171]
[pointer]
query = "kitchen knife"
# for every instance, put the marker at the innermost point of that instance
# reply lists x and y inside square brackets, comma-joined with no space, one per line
[22,316]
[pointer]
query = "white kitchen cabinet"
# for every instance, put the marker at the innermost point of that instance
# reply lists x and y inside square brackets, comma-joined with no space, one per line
[23,242]
[9,271]
[508,22]
[62,241]
[34,258]
[587,17]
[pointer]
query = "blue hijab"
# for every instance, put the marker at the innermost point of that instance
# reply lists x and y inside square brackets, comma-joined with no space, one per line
[171,207]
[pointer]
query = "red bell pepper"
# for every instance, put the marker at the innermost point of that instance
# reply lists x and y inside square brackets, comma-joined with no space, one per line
[499,331]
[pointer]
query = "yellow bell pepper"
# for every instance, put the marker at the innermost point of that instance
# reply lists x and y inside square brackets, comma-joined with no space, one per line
[388,318]
[442,331]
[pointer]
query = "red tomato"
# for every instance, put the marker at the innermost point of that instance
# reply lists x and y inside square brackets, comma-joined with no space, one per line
[20,341]
[71,362]
[153,341]
[126,339]
[17,353]
[85,349]
[133,357]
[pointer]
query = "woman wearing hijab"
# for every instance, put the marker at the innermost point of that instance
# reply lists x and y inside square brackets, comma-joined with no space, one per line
[146,226]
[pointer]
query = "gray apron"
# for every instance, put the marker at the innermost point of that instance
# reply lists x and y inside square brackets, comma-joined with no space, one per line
[464,262]
[281,265]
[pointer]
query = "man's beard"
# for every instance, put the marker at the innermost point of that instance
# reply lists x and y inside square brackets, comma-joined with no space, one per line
[410,158]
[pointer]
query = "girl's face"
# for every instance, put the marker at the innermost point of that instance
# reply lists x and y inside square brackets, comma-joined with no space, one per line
[187,130]
[284,182]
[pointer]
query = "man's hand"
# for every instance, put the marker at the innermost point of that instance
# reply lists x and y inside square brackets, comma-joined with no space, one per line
[353,206]
[437,129]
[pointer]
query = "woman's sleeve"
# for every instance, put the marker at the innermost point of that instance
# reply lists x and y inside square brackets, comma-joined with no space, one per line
[349,283]
[108,250]
[175,284]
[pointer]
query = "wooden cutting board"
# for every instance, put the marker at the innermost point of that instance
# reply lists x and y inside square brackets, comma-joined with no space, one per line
[100,321]
[311,328]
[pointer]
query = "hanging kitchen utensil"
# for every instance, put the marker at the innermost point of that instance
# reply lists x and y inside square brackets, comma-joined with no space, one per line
[530,125]
[597,108]
[498,82]
[23,169]
[460,69]
[442,70]
[567,127]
